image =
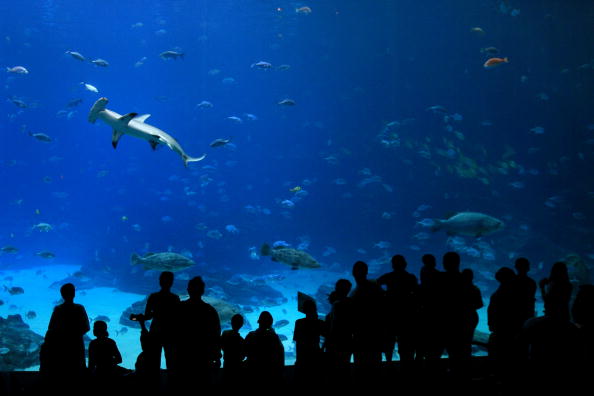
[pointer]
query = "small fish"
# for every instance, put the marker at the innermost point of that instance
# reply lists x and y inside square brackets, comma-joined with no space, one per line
[214,234]
[76,55]
[171,55]
[15,290]
[9,249]
[204,105]
[31,315]
[262,65]
[287,102]
[478,31]
[42,137]
[4,350]
[140,62]
[100,62]
[494,62]
[295,189]
[235,119]
[287,203]
[17,70]
[19,103]
[250,117]
[284,67]
[45,254]
[89,87]
[219,142]
[382,245]
[305,10]
[280,323]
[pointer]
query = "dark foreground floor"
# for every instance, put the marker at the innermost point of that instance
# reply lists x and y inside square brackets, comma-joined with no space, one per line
[391,379]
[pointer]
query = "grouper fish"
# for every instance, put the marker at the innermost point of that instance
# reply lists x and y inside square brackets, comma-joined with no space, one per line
[469,224]
[134,125]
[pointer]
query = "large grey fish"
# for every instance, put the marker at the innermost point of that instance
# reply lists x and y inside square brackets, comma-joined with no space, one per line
[132,124]
[468,223]
[293,257]
[166,261]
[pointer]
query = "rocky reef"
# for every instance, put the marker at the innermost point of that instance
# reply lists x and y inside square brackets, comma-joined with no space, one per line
[19,345]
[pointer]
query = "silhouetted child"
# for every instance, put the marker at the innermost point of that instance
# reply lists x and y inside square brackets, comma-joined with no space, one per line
[146,376]
[104,357]
[265,353]
[338,343]
[307,335]
[233,346]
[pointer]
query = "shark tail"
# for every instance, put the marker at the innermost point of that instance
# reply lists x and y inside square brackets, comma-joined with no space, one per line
[187,159]
[98,107]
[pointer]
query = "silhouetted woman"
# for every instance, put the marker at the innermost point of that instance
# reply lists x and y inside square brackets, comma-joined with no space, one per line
[556,292]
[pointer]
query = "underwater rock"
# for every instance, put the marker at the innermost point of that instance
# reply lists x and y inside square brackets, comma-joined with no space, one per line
[20,345]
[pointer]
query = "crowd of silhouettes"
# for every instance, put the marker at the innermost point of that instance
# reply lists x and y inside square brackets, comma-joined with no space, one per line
[425,319]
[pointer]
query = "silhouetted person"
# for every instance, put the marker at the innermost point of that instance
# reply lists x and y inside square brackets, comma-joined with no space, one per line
[63,353]
[199,337]
[161,309]
[452,310]
[505,323]
[233,346]
[402,309]
[525,288]
[104,358]
[338,344]
[552,340]
[306,335]
[265,353]
[146,376]
[368,323]
[556,292]
[583,316]
[473,301]
[429,342]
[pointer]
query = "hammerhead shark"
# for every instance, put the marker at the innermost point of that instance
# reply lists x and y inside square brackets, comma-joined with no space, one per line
[134,125]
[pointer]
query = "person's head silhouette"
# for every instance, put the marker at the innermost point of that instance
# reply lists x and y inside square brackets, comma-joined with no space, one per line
[360,271]
[429,261]
[398,263]
[100,329]
[467,275]
[504,275]
[559,272]
[166,280]
[265,320]
[451,262]
[522,265]
[68,292]
[236,322]
[309,308]
[196,287]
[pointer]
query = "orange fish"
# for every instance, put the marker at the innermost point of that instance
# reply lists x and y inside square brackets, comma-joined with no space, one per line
[494,62]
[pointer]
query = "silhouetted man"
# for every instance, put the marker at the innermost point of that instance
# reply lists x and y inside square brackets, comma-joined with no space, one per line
[525,288]
[429,342]
[200,336]
[307,335]
[452,310]
[368,323]
[162,308]
[402,304]
[338,344]
[63,352]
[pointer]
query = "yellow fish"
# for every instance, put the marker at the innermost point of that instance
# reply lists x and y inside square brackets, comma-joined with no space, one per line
[124,218]
[295,189]
[37,211]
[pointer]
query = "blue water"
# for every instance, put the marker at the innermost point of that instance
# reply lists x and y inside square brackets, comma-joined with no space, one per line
[359,72]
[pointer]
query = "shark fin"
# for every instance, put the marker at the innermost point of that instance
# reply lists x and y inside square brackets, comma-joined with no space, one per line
[154,144]
[127,118]
[115,138]
[187,159]
[142,118]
